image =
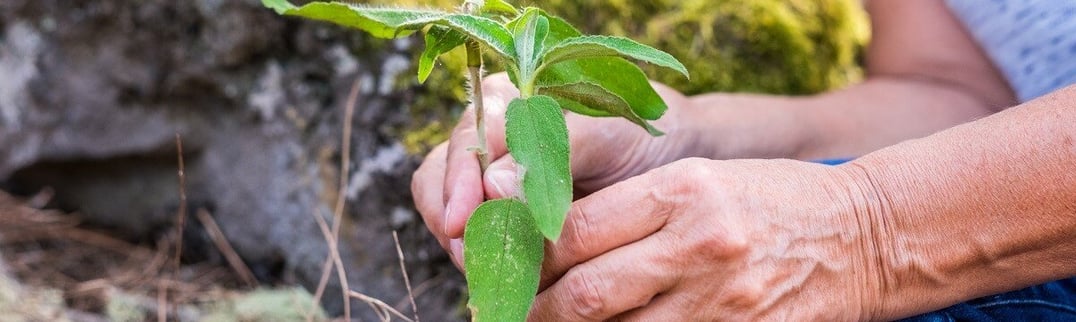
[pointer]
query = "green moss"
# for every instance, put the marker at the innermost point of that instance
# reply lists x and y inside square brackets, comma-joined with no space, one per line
[766,46]
[763,46]
[285,304]
[425,138]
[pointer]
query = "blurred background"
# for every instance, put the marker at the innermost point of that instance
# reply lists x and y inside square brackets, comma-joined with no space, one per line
[94,93]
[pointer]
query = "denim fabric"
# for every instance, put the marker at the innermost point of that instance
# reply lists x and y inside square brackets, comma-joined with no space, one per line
[832,161]
[1054,301]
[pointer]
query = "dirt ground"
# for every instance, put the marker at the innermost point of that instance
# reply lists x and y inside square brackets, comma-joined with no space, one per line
[102,278]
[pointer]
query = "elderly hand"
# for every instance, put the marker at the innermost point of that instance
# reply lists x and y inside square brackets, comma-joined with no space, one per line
[704,240]
[449,185]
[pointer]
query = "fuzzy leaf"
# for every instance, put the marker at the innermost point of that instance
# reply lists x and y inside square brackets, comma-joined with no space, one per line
[439,40]
[394,23]
[559,30]
[503,259]
[530,31]
[630,84]
[538,139]
[500,6]
[601,46]
[280,6]
[592,99]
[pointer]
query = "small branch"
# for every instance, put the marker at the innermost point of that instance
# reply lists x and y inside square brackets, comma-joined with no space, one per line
[226,248]
[379,304]
[181,220]
[407,280]
[332,236]
[334,254]
[345,157]
[181,215]
[326,270]
[474,67]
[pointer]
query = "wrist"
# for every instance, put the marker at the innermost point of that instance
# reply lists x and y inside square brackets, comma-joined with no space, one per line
[747,126]
[865,218]
[911,264]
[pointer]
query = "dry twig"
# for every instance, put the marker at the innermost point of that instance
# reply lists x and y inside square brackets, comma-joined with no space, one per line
[384,309]
[338,211]
[407,280]
[181,215]
[181,218]
[225,248]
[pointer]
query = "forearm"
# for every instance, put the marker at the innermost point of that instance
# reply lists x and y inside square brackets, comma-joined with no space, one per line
[978,209]
[850,122]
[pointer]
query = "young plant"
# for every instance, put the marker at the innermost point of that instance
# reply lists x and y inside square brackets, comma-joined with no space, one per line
[554,67]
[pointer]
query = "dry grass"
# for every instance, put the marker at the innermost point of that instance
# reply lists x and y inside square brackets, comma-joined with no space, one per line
[331,234]
[50,249]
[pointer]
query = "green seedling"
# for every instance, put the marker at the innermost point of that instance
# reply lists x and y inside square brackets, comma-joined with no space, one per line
[554,67]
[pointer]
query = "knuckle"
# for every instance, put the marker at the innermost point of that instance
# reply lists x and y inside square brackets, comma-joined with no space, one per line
[580,228]
[683,181]
[715,244]
[748,297]
[584,292]
[690,170]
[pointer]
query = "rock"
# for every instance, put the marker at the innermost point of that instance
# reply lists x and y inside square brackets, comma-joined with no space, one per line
[94,94]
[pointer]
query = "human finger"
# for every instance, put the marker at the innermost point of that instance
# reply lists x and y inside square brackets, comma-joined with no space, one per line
[426,185]
[502,179]
[616,282]
[463,179]
[663,307]
[609,218]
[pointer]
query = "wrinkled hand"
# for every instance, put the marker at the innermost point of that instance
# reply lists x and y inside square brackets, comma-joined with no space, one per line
[703,240]
[449,185]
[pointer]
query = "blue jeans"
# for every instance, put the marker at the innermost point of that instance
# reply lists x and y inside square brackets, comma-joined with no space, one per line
[1054,301]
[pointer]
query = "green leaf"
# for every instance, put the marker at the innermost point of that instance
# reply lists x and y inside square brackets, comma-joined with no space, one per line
[601,46]
[280,6]
[630,83]
[392,22]
[503,258]
[439,40]
[500,6]
[559,30]
[530,31]
[379,22]
[591,99]
[487,31]
[538,139]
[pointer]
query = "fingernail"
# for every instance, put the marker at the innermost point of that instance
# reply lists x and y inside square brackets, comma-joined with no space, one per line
[448,214]
[500,179]
[456,247]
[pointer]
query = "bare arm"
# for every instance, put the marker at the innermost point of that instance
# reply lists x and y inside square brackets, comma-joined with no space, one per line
[925,74]
[978,209]
[982,208]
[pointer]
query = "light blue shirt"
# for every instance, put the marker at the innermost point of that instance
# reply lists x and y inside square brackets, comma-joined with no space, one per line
[1032,42]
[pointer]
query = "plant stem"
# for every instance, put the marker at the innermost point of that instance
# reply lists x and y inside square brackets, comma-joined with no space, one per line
[474,66]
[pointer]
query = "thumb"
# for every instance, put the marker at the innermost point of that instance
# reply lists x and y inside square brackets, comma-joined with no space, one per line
[502,179]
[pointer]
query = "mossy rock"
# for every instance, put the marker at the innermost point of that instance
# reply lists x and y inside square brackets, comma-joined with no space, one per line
[764,46]
[791,47]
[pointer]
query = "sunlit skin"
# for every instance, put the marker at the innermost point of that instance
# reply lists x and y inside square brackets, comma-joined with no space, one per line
[662,231]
